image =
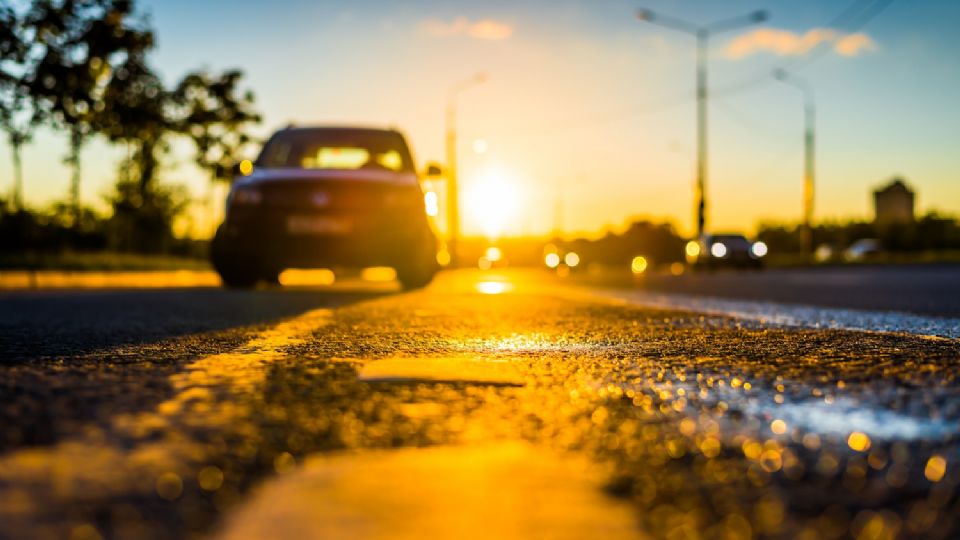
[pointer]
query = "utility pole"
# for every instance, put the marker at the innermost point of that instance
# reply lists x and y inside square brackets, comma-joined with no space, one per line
[809,172]
[453,198]
[702,33]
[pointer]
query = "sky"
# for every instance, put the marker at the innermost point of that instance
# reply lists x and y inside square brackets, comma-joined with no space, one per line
[584,103]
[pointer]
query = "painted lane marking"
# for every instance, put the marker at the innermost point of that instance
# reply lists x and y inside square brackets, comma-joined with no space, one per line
[441,369]
[142,453]
[507,490]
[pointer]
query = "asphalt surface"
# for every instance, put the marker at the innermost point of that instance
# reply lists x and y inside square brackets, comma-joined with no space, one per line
[925,289]
[490,404]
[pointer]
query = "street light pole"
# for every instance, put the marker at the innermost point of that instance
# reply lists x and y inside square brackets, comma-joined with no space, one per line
[701,192]
[453,198]
[702,33]
[809,172]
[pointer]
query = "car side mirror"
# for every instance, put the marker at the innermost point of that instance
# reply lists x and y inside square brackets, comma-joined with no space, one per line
[433,169]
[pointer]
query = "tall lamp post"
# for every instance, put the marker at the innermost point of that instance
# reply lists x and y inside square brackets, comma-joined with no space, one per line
[809,173]
[453,198]
[702,33]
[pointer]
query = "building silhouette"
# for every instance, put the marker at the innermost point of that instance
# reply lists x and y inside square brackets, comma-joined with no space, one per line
[893,204]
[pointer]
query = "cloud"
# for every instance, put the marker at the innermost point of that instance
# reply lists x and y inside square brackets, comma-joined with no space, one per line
[787,43]
[462,26]
[854,44]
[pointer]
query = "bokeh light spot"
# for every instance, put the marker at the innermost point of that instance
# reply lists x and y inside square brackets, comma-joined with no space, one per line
[210,478]
[169,486]
[936,468]
[858,441]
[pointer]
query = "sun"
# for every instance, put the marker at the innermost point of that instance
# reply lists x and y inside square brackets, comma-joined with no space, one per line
[492,203]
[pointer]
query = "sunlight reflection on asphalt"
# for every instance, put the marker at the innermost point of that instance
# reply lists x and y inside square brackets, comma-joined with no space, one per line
[504,490]
[802,316]
[148,453]
[540,408]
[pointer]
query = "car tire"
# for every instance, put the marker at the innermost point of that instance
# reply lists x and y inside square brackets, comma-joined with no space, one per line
[418,272]
[238,278]
[271,276]
[235,272]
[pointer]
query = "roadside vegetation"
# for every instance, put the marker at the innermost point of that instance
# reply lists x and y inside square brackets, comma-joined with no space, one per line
[932,238]
[82,68]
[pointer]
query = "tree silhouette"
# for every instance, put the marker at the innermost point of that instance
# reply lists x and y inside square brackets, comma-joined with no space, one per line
[77,43]
[135,113]
[15,117]
[215,114]
[81,66]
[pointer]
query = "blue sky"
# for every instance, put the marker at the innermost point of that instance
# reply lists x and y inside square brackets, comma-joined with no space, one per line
[583,95]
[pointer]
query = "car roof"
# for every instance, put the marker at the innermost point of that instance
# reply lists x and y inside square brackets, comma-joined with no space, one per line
[726,235]
[370,129]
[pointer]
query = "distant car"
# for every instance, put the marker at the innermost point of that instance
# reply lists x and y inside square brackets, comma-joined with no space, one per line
[726,250]
[863,249]
[323,197]
[824,253]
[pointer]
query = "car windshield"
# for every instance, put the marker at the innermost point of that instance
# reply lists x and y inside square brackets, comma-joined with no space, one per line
[329,148]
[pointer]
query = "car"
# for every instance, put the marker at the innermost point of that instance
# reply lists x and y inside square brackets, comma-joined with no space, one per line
[326,197]
[863,249]
[726,250]
[824,253]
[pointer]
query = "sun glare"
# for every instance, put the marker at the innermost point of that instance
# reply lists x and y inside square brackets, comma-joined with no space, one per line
[493,287]
[492,202]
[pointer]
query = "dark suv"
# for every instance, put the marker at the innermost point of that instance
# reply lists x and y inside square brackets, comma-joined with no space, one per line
[327,197]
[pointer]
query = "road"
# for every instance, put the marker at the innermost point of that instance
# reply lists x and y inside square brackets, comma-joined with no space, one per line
[923,289]
[498,404]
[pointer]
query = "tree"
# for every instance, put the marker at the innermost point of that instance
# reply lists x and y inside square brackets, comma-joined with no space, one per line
[15,118]
[141,223]
[215,114]
[77,44]
[136,114]
[81,66]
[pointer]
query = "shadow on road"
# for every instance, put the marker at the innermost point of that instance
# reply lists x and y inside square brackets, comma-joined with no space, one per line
[69,359]
[50,324]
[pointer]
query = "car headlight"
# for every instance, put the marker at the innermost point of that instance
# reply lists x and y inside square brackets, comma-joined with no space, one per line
[758,249]
[245,196]
[718,250]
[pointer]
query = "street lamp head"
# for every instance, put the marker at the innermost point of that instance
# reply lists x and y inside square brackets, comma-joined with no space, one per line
[759,16]
[645,15]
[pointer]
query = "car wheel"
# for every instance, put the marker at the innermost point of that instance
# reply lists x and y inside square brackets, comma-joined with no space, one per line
[417,273]
[238,278]
[271,277]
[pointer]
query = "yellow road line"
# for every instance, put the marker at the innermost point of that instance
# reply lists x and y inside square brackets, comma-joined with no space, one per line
[143,452]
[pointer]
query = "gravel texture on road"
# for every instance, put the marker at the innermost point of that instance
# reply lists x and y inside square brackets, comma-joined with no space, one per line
[704,427]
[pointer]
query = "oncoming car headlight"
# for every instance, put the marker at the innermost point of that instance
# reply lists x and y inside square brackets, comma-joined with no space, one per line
[245,196]
[718,250]
[758,249]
